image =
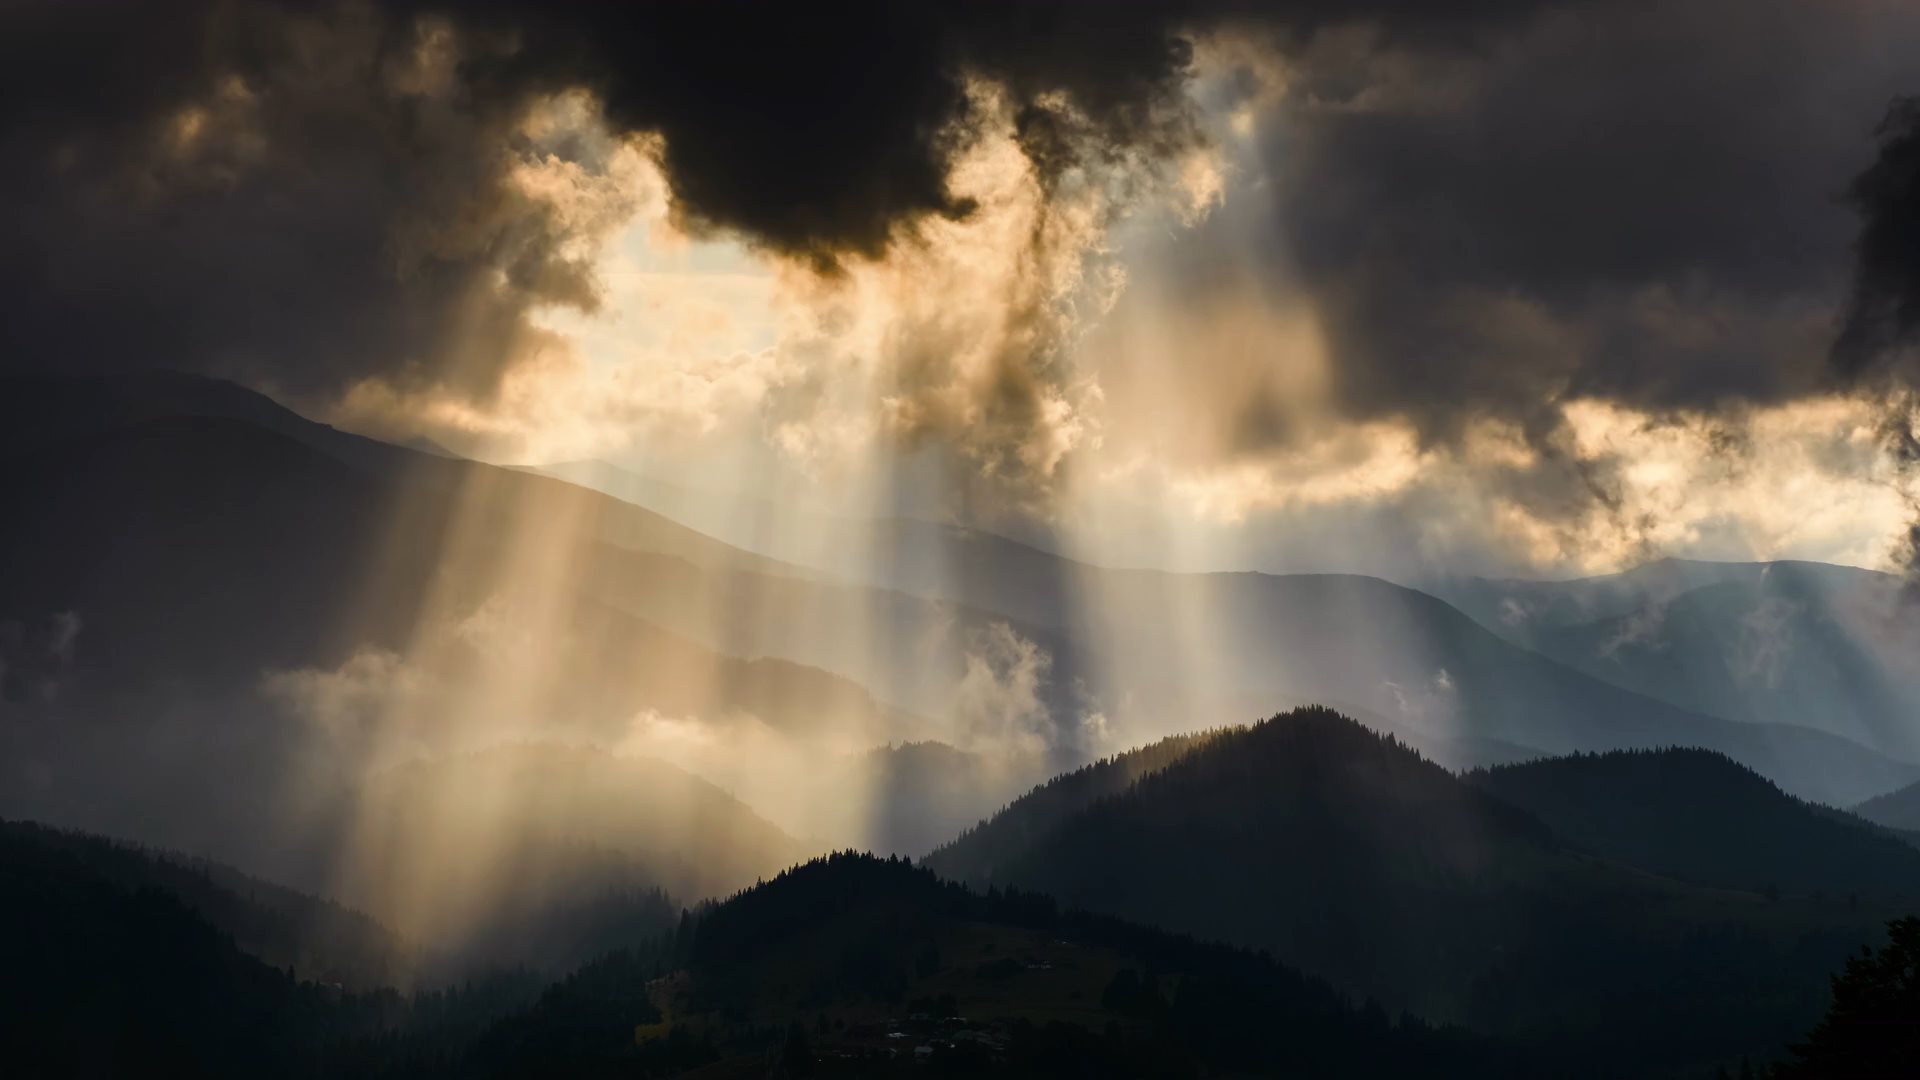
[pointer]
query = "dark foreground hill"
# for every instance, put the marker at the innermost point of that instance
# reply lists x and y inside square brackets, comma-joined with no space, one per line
[845,966]
[1695,816]
[1349,855]
[854,965]
[287,928]
[109,976]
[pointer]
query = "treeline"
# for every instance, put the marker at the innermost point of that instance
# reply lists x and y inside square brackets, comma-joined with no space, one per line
[1346,853]
[871,926]
[1695,815]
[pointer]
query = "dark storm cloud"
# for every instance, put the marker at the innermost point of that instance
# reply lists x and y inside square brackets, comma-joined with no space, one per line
[1644,203]
[1876,346]
[814,127]
[816,131]
[1495,205]
[266,192]
[1883,317]
[307,194]
[1636,202]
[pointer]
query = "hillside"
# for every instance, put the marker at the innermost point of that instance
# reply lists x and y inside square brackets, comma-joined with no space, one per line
[200,595]
[126,972]
[284,927]
[1412,658]
[1349,855]
[1519,607]
[906,798]
[845,946]
[1497,665]
[1695,816]
[169,510]
[1147,645]
[817,967]
[1206,842]
[968,858]
[1895,810]
[1830,647]
[546,855]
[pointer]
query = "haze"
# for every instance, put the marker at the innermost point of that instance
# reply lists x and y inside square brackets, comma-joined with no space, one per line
[517,471]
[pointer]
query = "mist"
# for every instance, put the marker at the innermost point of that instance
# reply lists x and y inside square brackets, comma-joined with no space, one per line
[691,530]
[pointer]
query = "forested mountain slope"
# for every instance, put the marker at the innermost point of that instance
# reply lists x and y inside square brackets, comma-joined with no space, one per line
[1349,855]
[1831,647]
[1693,815]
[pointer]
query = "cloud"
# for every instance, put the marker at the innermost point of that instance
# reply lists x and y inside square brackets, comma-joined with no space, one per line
[1876,344]
[1539,216]
[1431,706]
[1385,217]
[360,704]
[380,204]
[1612,487]
[1883,315]
[1002,704]
[1442,254]
[36,658]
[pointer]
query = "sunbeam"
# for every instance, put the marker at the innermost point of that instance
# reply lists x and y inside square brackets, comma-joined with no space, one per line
[1150,539]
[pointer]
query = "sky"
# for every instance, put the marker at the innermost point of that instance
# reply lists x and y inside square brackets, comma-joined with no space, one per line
[1531,288]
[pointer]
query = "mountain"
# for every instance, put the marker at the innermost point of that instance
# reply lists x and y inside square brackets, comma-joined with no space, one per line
[1148,643]
[1895,810]
[1519,607]
[1169,836]
[850,949]
[284,927]
[1830,647]
[202,591]
[1696,816]
[546,855]
[1465,679]
[1035,814]
[1246,640]
[1349,855]
[211,578]
[906,798]
[121,963]
[814,971]
[911,555]
[111,981]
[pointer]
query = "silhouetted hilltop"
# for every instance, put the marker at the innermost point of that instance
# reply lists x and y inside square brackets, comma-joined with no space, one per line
[284,927]
[106,976]
[117,980]
[1220,838]
[1348,854]
[841,944]
[1829,647]
[1695,816]
[1896,809]
[1051,803]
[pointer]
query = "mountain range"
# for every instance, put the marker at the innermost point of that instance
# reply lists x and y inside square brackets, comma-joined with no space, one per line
[1529,900]
[1830,647]
[1545,935]
[524,723]
[380,585]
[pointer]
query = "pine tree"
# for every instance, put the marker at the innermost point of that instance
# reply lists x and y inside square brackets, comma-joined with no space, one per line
[1872,1029]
